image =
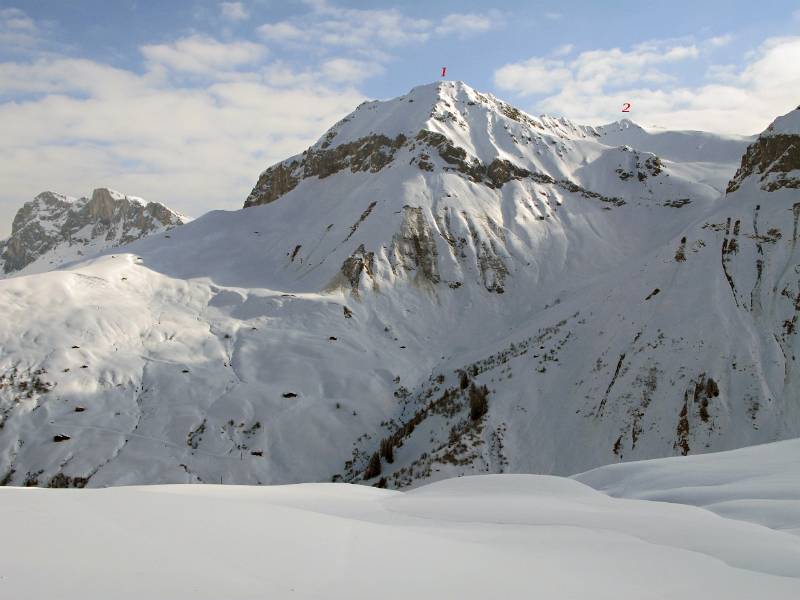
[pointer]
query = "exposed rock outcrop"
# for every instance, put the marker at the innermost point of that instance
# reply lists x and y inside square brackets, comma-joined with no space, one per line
[414,246]
[52,221]
[370,153]
[774,157]
[357,264]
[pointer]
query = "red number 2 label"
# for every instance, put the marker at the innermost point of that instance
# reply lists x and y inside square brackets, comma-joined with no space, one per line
[626,107]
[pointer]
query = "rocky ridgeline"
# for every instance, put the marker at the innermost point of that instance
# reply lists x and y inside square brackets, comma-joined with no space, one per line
[366,154]
[51,222]
[373,153]
[448,109]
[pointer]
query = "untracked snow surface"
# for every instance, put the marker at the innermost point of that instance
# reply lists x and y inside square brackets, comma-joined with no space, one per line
[760,484]
[493,536]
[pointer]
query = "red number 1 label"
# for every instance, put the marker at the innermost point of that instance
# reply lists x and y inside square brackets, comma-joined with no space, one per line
[626,107]
[444,70]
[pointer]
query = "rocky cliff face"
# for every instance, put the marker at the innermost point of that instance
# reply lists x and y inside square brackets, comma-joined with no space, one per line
[53,228]
[774,158]
[369,154]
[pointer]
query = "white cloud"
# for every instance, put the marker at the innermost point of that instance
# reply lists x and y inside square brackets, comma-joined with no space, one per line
[533,76]
[282,31]
[327,25]
[563,50]
[345,70]
[720,40]
[281,74]
[350,45]
[722,72]
[202,55]
[592,87]
[72,75]
[468,23]
[233,11]
[553,16]
[591,70]
[16,19]
[17,30]
[680,53]
[194,148]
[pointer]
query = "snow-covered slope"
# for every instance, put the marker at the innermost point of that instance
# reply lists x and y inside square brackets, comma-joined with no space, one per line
[442,285]
[510,536]
[760,484]
[53,229]
[706,157]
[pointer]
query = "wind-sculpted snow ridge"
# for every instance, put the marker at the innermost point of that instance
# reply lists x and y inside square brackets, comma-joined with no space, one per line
[54,229]
[443,285]
[511,536]
[757,484]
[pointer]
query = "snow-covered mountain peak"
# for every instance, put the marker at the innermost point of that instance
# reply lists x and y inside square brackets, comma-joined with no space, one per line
[618,126]
[788,124]
[451,108]
[448,127]
[50,197]
[53,229]
[44,206]
[445,164]
[105,195]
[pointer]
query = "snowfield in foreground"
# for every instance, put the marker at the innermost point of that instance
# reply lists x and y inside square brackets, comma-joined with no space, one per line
[494,536]
[760,484]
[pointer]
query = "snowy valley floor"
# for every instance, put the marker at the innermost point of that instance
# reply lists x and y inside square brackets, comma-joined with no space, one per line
[714,526]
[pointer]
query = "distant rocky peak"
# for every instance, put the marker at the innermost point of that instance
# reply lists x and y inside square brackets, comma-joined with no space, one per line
[65,228]
[45,206]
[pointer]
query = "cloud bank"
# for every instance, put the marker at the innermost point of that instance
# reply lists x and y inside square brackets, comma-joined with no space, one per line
[592,86]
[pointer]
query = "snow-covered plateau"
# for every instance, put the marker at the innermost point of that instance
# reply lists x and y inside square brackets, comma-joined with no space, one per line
[715,526]
[442,285]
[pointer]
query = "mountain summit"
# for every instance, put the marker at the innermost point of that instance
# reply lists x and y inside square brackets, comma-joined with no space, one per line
[472,133]
[441,285]
[446,163]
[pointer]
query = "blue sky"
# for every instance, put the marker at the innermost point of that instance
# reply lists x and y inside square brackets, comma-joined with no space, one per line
[186,102]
